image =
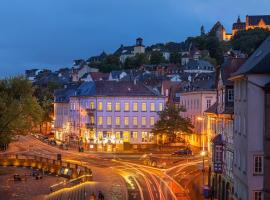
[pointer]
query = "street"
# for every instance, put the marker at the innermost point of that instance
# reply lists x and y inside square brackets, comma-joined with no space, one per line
[132,180]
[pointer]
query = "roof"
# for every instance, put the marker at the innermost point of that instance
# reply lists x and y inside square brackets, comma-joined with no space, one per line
[98,76]
[255,19]
[199,82]
[199,65]
[229,66]
[258,62]
[62,95]
[212,109]
[122,88]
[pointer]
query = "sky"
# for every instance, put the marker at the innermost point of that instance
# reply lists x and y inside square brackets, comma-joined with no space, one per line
[52,33]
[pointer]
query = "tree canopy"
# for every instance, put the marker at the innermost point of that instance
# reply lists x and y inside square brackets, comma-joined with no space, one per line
[156,57]
[248,41]
[19,109]
[171,122]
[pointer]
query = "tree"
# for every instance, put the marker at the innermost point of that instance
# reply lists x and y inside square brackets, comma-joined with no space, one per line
[136,61]
[156,57]
[175,58]
[215,48]
[19,109]
[44,95]
[248,41]
[171,122]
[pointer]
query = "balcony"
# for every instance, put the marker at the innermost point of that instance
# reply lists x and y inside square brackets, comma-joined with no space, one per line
[90,111]
[89,125]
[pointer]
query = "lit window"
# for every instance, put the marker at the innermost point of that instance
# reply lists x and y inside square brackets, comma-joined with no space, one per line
[135,106]
[117,135]
[92,105]
[100,105]
[208,103]
[258,164]
[152,107]
[126,121]
[126,108]
[109,106]
[117,121]
[100,120]
[135,121]
[109,120]
[117,106]
[100,135]
[143,121]
[143,107]
[134,135]
[144,137]
[160,106]
[230,95]
[152,121]
[257,195]
[92,120]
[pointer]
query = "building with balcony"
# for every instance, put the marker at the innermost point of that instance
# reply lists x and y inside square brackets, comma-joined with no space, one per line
[114,115]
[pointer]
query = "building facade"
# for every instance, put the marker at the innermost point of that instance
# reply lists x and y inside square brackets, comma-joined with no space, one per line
[219,127]
[114,115]
[250,139]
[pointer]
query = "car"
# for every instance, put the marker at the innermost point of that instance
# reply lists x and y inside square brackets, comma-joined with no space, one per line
[52,142]
[183,152]
[17,177]
[63,146]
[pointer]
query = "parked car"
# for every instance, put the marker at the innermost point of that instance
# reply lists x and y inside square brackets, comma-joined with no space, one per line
[63,146]
[17,177]
[52,142]
[182,152]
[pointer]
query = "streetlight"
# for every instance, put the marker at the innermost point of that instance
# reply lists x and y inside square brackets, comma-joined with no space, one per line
[201,119]
[203,153]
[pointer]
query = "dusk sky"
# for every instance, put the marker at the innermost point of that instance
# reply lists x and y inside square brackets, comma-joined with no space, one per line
[51,33]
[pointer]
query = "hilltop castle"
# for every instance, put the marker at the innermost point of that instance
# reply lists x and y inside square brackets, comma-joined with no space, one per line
[252,22]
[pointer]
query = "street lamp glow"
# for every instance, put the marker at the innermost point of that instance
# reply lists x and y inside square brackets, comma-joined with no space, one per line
[203,153]
[199,118]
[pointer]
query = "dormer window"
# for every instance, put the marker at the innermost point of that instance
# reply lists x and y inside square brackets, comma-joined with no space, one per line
[230,95]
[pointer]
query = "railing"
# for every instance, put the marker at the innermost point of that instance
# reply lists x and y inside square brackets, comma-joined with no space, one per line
[48,164]
[70,183]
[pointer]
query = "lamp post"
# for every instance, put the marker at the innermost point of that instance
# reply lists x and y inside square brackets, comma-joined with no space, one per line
[203,153]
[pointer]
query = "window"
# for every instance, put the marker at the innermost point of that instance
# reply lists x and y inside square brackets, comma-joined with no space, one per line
[230,95]
[257,195]
[117,135]
[160,106]
[258,164]
[144,137]
[109,120]
[152,121]
[152,107]
[126,121]
[100,105]
[109,106]
[117,121]
[135,121]
[143,121]
[92,120]
[134,135]
[135,107]
[100,120]
[92,106]
[126,108]
[117,106]
[208,103]
[100,135]
[143,107]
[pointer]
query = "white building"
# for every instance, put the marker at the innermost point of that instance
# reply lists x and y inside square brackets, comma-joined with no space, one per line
[108,115]
[250,137]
